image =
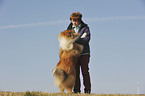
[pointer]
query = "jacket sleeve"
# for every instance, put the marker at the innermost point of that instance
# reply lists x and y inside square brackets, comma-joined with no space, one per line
[84,37]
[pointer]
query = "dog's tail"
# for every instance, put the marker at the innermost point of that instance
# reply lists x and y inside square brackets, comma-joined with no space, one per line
[60,75]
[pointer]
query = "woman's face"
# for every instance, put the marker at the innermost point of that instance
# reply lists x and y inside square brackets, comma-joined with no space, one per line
[75,22]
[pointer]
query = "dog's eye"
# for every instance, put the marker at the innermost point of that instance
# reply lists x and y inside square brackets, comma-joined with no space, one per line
[70,34]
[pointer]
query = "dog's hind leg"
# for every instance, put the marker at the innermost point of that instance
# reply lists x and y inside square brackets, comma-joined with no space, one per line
[61,89]
[69,90]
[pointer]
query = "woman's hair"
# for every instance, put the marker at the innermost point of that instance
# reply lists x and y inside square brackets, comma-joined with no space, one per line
[76,16]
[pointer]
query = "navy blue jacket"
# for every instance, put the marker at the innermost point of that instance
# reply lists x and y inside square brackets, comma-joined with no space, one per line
[84,37]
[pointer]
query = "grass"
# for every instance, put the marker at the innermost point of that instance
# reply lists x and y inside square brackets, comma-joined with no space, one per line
[28,93]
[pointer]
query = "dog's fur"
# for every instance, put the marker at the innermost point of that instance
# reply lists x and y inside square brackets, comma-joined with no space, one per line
[64,71]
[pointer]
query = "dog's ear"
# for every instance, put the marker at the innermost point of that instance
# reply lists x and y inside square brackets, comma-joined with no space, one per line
[76,34]
[72,31]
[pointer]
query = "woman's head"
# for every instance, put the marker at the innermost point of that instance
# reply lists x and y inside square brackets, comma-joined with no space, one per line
[76,18]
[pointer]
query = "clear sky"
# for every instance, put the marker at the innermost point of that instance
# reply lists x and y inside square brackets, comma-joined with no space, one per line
[29,44]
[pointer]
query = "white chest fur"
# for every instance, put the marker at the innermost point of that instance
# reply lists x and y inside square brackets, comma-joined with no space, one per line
[66,44]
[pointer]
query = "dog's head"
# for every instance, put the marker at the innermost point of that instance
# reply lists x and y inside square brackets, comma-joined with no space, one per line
[67,38]
[68,34]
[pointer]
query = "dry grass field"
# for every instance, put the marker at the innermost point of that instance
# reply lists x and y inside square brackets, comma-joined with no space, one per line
[28,93]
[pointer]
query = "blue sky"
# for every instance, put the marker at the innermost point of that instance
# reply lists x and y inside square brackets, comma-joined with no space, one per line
[29,45]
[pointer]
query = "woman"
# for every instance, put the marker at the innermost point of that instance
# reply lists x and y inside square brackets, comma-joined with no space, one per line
[83,61]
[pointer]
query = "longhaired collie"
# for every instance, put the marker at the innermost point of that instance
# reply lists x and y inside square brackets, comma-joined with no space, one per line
[64,71]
